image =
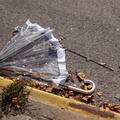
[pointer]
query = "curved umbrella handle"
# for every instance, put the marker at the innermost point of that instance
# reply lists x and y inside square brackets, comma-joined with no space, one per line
[82,90]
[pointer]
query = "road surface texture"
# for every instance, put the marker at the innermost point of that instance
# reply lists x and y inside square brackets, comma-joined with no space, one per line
[88,27]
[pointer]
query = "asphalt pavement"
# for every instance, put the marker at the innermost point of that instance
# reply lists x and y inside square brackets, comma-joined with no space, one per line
[88,27]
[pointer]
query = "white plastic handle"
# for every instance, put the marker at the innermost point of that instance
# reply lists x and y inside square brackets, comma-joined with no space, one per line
[82,90]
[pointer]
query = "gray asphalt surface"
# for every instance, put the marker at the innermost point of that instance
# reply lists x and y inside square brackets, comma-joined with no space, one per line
[89,27]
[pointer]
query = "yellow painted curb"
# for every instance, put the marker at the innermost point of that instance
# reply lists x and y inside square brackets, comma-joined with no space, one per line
[4,82]
[68,103]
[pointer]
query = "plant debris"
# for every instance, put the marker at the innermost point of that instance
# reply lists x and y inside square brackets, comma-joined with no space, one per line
[110,106]
[84,86]
[81,75]
[14,98]
[28,118]
[104,64]
[81,86]
[71,78]
[89,87]
[99,93]
[60,39]
[65,92]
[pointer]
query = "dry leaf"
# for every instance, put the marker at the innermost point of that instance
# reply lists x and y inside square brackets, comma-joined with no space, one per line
[72,98]
[111,106]
[99,93]
[84,99]
[105,104]
[14,100]
[71,93]
[63,96]
[89,87]
[92,100]
[71,78]
[62,93]
[85,87]
[41,86]
[117,109]
[61,38]
[49,89]
[67,95]
[81,75]
[81,86]
[89,97]
[28,118]
[44,89]
[38,88]
[104,64]
[78,97]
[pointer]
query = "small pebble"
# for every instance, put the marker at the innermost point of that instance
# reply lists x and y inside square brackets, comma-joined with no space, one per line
[117,96]
[117,29]
[99,93]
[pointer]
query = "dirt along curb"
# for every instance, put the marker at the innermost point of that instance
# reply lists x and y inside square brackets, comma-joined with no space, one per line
[73,105]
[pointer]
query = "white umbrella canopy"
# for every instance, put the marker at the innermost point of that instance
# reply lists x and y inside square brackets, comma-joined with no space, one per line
[35,52]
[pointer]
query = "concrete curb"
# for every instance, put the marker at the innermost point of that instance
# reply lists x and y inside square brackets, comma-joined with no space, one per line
[68,103]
